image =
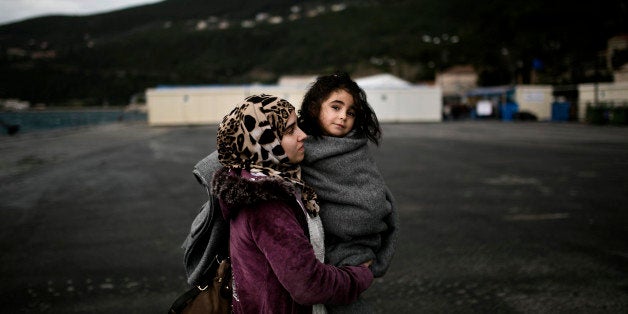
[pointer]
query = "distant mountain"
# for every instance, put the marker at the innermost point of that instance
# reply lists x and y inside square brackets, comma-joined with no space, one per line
[106,58]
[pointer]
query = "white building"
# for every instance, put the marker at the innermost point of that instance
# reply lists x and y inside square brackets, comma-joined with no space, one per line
[535,99]
[608,94]
[391,100]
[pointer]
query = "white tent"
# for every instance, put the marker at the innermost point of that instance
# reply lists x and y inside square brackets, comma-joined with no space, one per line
[382,81]
[396,100]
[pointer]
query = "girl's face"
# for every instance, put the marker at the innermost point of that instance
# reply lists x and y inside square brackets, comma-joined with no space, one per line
[337,114]
[292,140]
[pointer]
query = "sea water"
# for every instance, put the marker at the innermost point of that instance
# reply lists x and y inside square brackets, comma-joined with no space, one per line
[29,121]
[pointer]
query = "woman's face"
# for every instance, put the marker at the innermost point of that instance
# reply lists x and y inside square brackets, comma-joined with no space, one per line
[292,140]
[337,114]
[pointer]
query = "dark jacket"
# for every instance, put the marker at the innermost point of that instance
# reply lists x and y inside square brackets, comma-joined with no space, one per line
[274,266]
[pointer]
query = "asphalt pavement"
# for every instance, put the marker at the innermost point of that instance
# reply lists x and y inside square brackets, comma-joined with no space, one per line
[496,217]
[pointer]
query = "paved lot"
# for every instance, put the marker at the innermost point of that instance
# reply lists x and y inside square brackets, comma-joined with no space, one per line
[496,218]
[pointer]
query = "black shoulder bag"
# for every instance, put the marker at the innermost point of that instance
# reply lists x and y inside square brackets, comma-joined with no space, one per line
[215,297]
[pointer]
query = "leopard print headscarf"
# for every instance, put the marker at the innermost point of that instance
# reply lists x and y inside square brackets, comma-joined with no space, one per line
[249,138]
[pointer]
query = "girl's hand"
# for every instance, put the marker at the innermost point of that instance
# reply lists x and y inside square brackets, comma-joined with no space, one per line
[367,263]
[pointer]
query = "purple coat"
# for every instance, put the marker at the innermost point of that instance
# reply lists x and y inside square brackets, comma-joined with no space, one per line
[274,266]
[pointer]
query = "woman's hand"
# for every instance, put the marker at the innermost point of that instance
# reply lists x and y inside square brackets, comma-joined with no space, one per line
[367,263]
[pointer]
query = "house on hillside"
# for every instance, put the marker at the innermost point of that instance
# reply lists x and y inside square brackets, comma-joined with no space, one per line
[457,80]
[621,74]
[455,83]
[616,52]
[14,105]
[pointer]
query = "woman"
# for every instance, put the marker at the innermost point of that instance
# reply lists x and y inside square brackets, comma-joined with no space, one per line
[276,239]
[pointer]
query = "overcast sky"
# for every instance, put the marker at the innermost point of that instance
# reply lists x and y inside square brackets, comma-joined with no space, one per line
[16,10]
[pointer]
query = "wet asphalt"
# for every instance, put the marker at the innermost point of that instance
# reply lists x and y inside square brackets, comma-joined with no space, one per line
[496,217]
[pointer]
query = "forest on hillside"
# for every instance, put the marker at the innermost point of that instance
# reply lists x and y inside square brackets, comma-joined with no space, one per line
[106,58]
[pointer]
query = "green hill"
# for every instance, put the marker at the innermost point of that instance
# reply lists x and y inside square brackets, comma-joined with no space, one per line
[105,58]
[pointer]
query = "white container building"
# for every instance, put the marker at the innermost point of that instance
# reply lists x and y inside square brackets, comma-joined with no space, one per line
[201,105]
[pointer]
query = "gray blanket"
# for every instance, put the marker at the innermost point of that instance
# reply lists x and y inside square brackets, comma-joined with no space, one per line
[357,208]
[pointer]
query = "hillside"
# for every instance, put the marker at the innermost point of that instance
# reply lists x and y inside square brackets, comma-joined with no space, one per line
[105,58]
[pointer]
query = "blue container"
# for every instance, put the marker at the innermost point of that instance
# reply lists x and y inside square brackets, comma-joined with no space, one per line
[560,111]
[508,111]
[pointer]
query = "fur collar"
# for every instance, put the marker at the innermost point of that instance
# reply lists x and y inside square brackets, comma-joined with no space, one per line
[236,190]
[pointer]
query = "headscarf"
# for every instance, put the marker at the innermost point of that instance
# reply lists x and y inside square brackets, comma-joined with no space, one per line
[249,138]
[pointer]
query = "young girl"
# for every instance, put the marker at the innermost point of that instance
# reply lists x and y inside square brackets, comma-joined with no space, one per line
[356,207]
[273,215]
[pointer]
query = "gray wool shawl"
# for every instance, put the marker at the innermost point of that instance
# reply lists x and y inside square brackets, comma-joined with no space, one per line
[357,209]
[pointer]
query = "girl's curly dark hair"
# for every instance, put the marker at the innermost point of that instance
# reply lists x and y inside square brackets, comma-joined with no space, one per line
[366,122]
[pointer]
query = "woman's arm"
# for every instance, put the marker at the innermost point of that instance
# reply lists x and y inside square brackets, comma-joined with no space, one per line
[281,239]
